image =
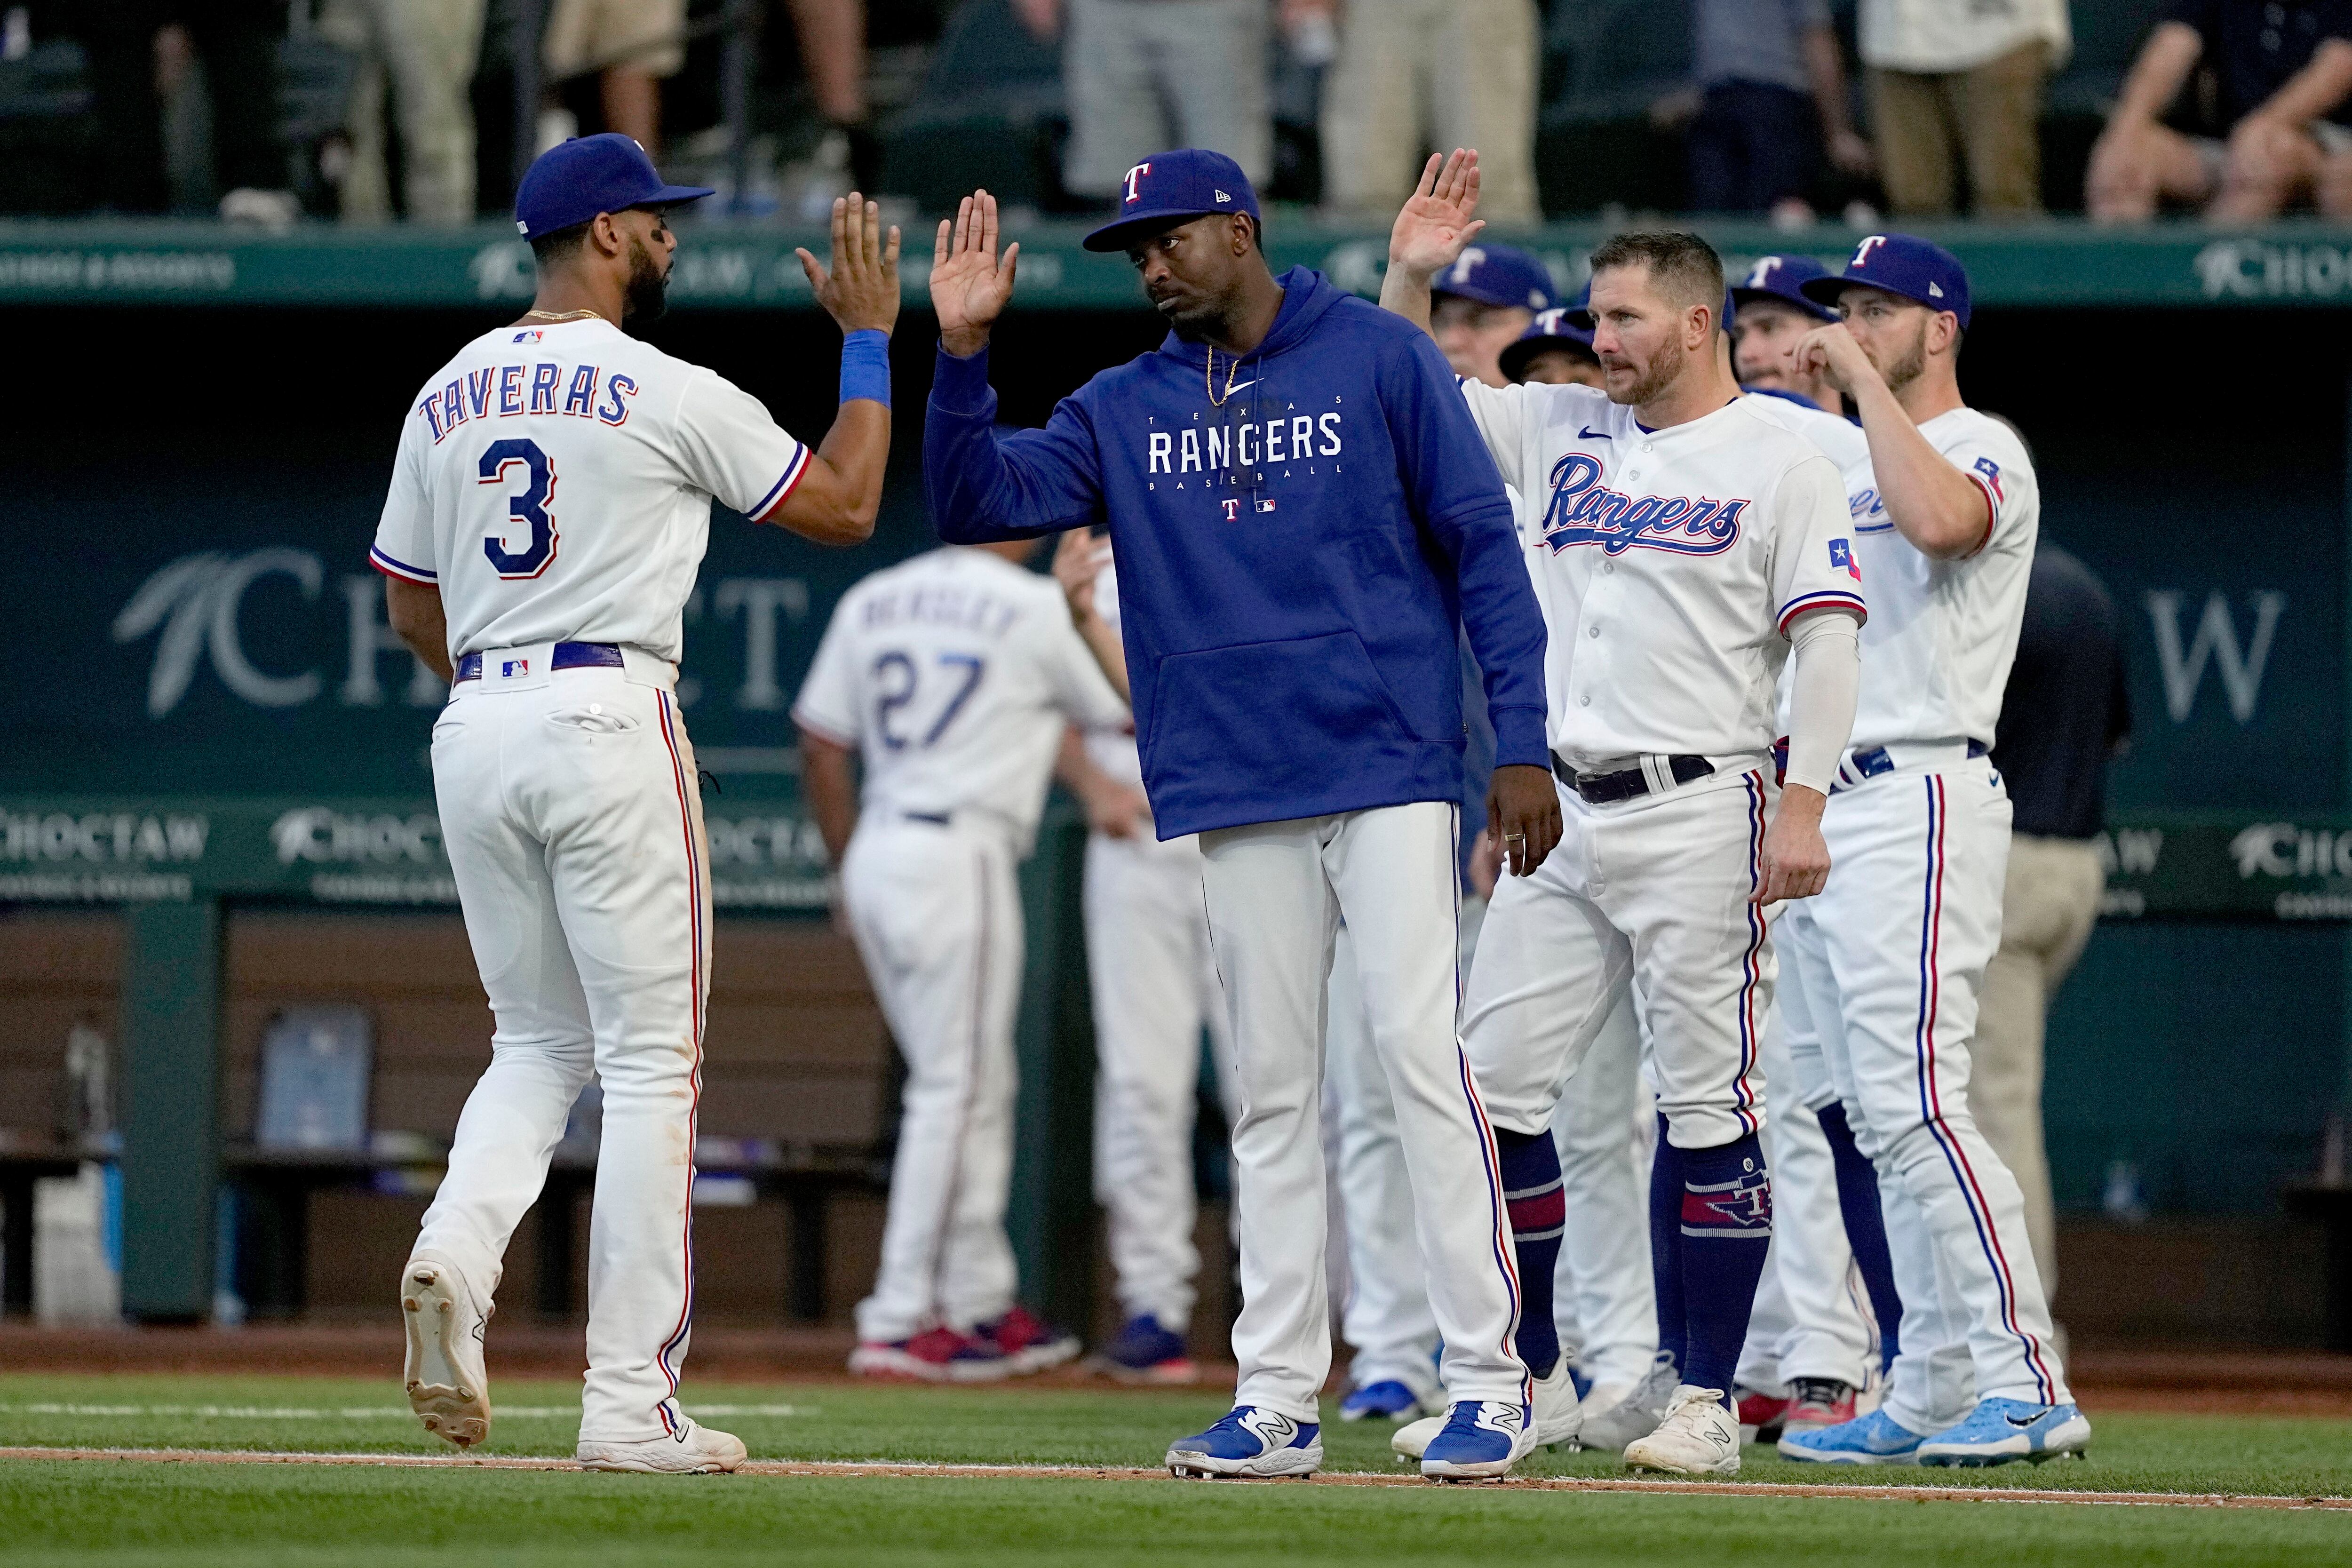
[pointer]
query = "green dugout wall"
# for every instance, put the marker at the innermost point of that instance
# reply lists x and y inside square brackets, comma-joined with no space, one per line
[204,705]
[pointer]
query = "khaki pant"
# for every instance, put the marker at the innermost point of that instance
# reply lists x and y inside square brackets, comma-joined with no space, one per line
[426,47]
[1145,76]
[1438,74]
[1988,118]
[2048,907]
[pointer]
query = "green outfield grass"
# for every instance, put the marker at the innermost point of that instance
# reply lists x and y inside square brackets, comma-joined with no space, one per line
[79,1512]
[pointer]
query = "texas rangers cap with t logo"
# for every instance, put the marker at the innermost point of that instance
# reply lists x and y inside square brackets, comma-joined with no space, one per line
[573,181]
[1496,275]
[1168,188]
[1783,278]
[1905,264]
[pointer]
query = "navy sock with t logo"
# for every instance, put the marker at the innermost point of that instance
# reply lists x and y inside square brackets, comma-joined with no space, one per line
[1531,1190]
[1725,1225]
[1865,1229]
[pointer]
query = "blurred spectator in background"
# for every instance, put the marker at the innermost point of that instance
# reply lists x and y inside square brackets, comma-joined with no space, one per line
[2066,713]
[831,36]
[1771,103]
[1770,314]
[1482,303]
[630,44]
[236,41]
[1143,75]
[2281,72]
[1957,84]
[1554,351]
[1415,75]
[424,51]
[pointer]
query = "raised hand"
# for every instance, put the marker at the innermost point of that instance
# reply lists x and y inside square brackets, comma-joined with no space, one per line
[1437,223]
[1830,351]
[1078,560]
[970,284]
[860,290]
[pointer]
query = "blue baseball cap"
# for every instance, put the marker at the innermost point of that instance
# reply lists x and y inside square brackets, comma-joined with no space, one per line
[1551,329]
[1905,264]
[1498,275]
[1168,188]
[1781,278]
[570,183]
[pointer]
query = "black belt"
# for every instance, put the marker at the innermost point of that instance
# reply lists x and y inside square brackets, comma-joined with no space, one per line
[935,818]
[1607,789]
[567,656]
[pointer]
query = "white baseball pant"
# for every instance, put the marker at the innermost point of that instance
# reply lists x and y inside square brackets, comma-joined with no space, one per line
[1809,1320]
[570,809]
[1277,891]
[1901,937]
[1606,1304]
[937,914]
[1655,889]
[1154,984]
[1386,1318]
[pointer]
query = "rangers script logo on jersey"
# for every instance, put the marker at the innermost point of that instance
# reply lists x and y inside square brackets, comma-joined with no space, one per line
[1585,511]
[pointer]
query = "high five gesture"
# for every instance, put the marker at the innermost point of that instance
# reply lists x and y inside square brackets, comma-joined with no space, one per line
[970,285]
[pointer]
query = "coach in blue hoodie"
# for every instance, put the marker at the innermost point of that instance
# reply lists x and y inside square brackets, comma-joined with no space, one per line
[1302,514]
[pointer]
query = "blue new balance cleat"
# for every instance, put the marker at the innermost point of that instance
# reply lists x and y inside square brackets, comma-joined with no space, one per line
[1250,1441]
[1387,1400]
[2000,1430]
[1482,1439]
[1872,1439]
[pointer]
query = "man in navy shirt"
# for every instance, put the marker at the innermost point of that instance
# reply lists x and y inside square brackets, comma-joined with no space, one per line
[1303,519]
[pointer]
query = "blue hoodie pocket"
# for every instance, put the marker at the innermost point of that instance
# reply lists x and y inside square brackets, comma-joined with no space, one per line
[1284,716]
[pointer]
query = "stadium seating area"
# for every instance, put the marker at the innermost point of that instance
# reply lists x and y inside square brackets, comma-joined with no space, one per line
[962,94]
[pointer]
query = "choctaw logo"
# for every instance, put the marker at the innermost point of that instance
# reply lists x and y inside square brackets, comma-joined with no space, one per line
[1583,511]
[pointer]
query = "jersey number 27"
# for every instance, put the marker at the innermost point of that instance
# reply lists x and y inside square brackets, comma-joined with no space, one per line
[895,681]
[529,508]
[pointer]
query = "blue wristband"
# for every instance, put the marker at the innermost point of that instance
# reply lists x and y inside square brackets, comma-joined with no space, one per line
[866,365]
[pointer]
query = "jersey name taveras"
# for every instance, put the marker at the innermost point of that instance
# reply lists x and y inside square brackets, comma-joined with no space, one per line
[953,676]
[1669,564]
[555,482]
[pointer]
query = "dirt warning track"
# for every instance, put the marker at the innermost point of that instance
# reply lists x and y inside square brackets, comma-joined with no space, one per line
[829,1468]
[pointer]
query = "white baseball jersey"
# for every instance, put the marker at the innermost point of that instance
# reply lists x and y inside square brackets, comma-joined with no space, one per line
[1669,564]
[953,675]
[1942,634]
[1112,746]
[555,482]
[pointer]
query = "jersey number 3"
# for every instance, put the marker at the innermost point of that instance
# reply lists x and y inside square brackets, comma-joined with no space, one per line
[528,508]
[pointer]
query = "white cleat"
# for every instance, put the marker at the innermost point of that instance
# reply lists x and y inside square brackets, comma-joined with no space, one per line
[1616,1413]
[691,1450]
[1699,1437]
[447,1387]
[1412,1441]
[1558,1416]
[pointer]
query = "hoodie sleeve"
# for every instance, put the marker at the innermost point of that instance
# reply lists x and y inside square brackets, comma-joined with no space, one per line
[1457,497]
[984,486]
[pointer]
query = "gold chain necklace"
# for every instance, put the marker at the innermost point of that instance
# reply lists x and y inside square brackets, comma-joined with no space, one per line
[1209,378]
[563,315]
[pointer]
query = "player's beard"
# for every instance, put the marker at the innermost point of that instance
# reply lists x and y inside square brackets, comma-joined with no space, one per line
[1901,370]
[648,290]
[1654,376]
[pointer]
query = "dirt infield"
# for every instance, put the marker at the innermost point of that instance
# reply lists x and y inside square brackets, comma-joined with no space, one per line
[820,1468]
[2185,1381]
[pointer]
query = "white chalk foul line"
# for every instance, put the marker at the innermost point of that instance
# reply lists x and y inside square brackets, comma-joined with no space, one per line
[1854,1493]
[360,1412]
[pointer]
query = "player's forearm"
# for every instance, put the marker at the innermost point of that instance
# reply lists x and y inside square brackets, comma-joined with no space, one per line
[1823,688]
[1405,294]
[420,623]
[858,450]
[2317,89]
[1077,770]
[1932,504]
[1505,629]
[2159,75]
[1109,651]
[830,793]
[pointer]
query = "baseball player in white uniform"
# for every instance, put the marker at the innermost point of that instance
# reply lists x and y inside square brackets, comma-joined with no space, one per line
[1946,509]
[1689,545]
[1153,982]
[952,678]
[549,507]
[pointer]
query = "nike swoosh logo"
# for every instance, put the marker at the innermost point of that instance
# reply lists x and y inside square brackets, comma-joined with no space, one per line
[2025,1420]
[1589,433]
[1239,385]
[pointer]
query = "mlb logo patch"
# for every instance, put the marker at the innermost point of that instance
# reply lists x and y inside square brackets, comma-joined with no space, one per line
[1266,504]
[529,335]
[1841,554]
[509,668]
